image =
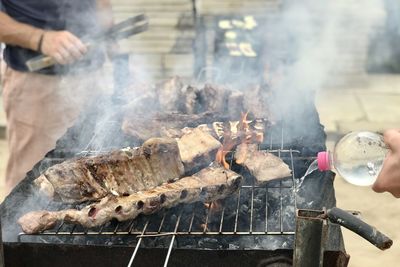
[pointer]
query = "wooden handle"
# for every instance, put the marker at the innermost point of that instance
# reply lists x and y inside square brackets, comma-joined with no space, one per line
[359,227]
[39,63]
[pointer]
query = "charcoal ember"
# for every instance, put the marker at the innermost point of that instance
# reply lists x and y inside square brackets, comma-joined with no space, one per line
[210,243]
[233,246]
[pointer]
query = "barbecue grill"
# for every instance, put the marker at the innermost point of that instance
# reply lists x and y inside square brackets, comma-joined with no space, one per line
[277,224]
[257,226]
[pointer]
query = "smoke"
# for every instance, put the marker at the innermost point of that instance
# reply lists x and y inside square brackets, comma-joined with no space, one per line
[384,52]
[325,39]
[305,46]
[308,45]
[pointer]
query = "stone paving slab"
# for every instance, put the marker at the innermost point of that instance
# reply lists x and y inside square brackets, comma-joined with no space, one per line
[345,127]
[381,107]
[2,120]
[336,106]
[3,162]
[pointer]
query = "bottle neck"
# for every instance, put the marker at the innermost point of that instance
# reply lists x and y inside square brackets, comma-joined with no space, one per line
[324,161]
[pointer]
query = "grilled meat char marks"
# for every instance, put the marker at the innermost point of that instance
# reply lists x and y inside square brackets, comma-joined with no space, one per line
[262,165]
[120,172]
[197,148]
[210,184]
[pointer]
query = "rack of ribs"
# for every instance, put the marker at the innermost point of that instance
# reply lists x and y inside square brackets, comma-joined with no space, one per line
[121,172]
[210,184]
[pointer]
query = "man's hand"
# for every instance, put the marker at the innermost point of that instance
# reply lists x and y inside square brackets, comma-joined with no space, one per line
[63,46]
[389,178]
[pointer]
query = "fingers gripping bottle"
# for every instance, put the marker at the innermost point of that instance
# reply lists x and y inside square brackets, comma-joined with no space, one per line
[358,157]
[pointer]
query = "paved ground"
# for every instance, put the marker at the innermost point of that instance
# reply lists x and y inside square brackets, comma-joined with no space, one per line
[374,105]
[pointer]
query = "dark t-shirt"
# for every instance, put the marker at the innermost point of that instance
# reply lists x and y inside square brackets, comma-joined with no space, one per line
[76,16]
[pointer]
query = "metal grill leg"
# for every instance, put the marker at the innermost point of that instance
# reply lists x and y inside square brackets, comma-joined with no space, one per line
[311,234]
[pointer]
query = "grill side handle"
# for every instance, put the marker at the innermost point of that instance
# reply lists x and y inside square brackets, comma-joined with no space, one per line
[359,227]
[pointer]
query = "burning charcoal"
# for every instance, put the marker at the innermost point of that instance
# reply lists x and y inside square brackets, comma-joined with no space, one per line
[233,246]
[210,243]
[120,172]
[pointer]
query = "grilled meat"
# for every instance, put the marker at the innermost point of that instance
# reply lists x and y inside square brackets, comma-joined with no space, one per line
[119,172]
[144,126]
[262,165]
[209,184]
[197,148]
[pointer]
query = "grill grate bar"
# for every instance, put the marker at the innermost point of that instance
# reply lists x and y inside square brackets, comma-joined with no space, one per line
[290,154]
[294,178]
[73,229]
[272,225]
[172,240]
[237,211]
[156,234]
[59,228]
[161,223]
[131,225]
[138,245]
[222,220]
[266,211]
[207,216]
[251,209]
[281,209]
[191,221]
[249,198]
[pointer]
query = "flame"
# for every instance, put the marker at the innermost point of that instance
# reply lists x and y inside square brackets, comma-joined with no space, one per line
[203,226]
[214,206]
[227,145]
[243,135]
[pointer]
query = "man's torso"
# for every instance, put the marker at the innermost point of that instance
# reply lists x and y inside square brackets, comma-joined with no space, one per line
[76,16]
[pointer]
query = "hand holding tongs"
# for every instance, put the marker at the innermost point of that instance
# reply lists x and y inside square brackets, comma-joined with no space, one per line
[122,30]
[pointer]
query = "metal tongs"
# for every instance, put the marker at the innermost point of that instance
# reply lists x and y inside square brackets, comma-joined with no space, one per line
[122,30]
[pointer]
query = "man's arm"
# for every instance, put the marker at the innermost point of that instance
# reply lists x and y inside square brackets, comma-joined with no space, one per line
[389,177]
[15,33]
[63,46]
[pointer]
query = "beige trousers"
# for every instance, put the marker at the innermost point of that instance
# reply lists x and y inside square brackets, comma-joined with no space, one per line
[39,109]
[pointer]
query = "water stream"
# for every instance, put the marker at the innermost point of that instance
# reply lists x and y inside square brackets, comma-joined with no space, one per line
[313,167]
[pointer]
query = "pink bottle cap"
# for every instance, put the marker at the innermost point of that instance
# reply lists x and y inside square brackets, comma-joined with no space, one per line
[323,161]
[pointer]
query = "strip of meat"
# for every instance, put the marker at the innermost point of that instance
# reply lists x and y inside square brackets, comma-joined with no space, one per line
[197,149]
[157,124]
[209,184]
[262,165]
[120,172]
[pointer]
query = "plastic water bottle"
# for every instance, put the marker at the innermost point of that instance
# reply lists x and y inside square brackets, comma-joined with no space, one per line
[358,157]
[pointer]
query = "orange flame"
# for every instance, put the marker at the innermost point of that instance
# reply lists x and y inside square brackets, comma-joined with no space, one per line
[245,135]
[214,206]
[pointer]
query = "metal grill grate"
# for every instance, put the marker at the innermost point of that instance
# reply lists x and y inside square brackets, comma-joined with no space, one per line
[254,210]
